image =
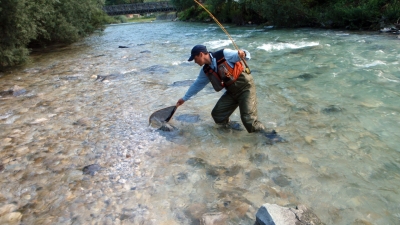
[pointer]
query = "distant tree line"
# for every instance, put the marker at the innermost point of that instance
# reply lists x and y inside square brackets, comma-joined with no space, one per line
[349,14]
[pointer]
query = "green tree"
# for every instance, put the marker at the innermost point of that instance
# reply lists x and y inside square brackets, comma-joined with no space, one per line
[16,30]
[26,23]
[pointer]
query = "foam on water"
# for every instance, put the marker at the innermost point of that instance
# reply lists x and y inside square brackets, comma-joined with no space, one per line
[269,47]
[217,44]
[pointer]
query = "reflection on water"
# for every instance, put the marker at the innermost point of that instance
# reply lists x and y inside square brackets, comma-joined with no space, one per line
[333,95]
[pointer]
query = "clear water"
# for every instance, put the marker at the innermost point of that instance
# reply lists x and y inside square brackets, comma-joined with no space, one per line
[333,95]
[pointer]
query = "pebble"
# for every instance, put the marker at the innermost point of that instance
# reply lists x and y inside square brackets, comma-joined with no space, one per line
[37,121]
[11,218]
[122,181]
[8,208]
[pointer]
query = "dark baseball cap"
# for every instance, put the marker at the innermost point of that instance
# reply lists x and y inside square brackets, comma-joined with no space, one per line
[196,50]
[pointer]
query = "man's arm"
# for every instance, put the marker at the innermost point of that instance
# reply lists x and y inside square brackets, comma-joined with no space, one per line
[198,85]
[233,56]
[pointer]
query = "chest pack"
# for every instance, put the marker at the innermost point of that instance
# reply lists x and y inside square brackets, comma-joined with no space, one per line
[226,75]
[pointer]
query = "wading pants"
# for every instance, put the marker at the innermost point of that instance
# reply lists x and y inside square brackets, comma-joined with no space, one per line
[242,93]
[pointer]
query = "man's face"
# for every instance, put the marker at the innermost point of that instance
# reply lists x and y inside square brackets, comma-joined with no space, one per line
[200,59]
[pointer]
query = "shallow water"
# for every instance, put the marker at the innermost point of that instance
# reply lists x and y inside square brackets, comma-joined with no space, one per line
[333,95]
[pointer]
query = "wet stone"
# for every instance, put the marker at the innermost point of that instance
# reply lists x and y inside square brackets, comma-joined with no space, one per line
[196,162]
[91,169]
[180,177]
[216,218]
[82,122]
[70,78]
[15,91]
[196,210]
[306,215]
[156,69]
[188,118]
[332,109]
[214,172]
[254,174]
[233,171]
[6,93]
[258,158]
[182,83]
[281,180]
[116,76]
[11,218]
[305,77]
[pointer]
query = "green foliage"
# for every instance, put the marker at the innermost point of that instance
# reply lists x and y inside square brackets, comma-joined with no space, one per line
[391,11]
[17,29]
[121,19]
[359,14]
[285,13]
[362,14]
[26,23]
[183,5]
[193,13]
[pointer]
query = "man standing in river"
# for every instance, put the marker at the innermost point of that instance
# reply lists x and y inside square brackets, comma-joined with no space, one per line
[225,69]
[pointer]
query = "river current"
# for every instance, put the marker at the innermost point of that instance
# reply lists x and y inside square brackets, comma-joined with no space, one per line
[333,95]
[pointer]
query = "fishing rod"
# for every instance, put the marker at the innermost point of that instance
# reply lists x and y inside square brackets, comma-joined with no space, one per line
[226,32]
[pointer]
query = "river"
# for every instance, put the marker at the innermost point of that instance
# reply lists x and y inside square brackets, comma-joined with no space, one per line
[333,95]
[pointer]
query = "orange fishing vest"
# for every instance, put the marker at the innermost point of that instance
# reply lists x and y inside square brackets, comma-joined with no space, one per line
[226,75]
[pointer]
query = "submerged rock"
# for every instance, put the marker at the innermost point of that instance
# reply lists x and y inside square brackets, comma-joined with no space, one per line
[332,109]
[159,69]
[188,118]
[196,162]
[258,158]
[214,218]
[85,122]
[281,180]
[14,91]
[116,76]
[305,77]
[91,169]
[182,83]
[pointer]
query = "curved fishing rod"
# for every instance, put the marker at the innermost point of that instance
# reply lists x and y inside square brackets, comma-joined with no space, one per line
[226,32]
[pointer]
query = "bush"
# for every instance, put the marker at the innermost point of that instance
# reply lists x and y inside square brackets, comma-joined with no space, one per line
[363,14]
[286,13]
[121,19]
[391,12]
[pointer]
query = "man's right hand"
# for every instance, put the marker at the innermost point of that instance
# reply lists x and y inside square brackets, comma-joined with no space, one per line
[180,102]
